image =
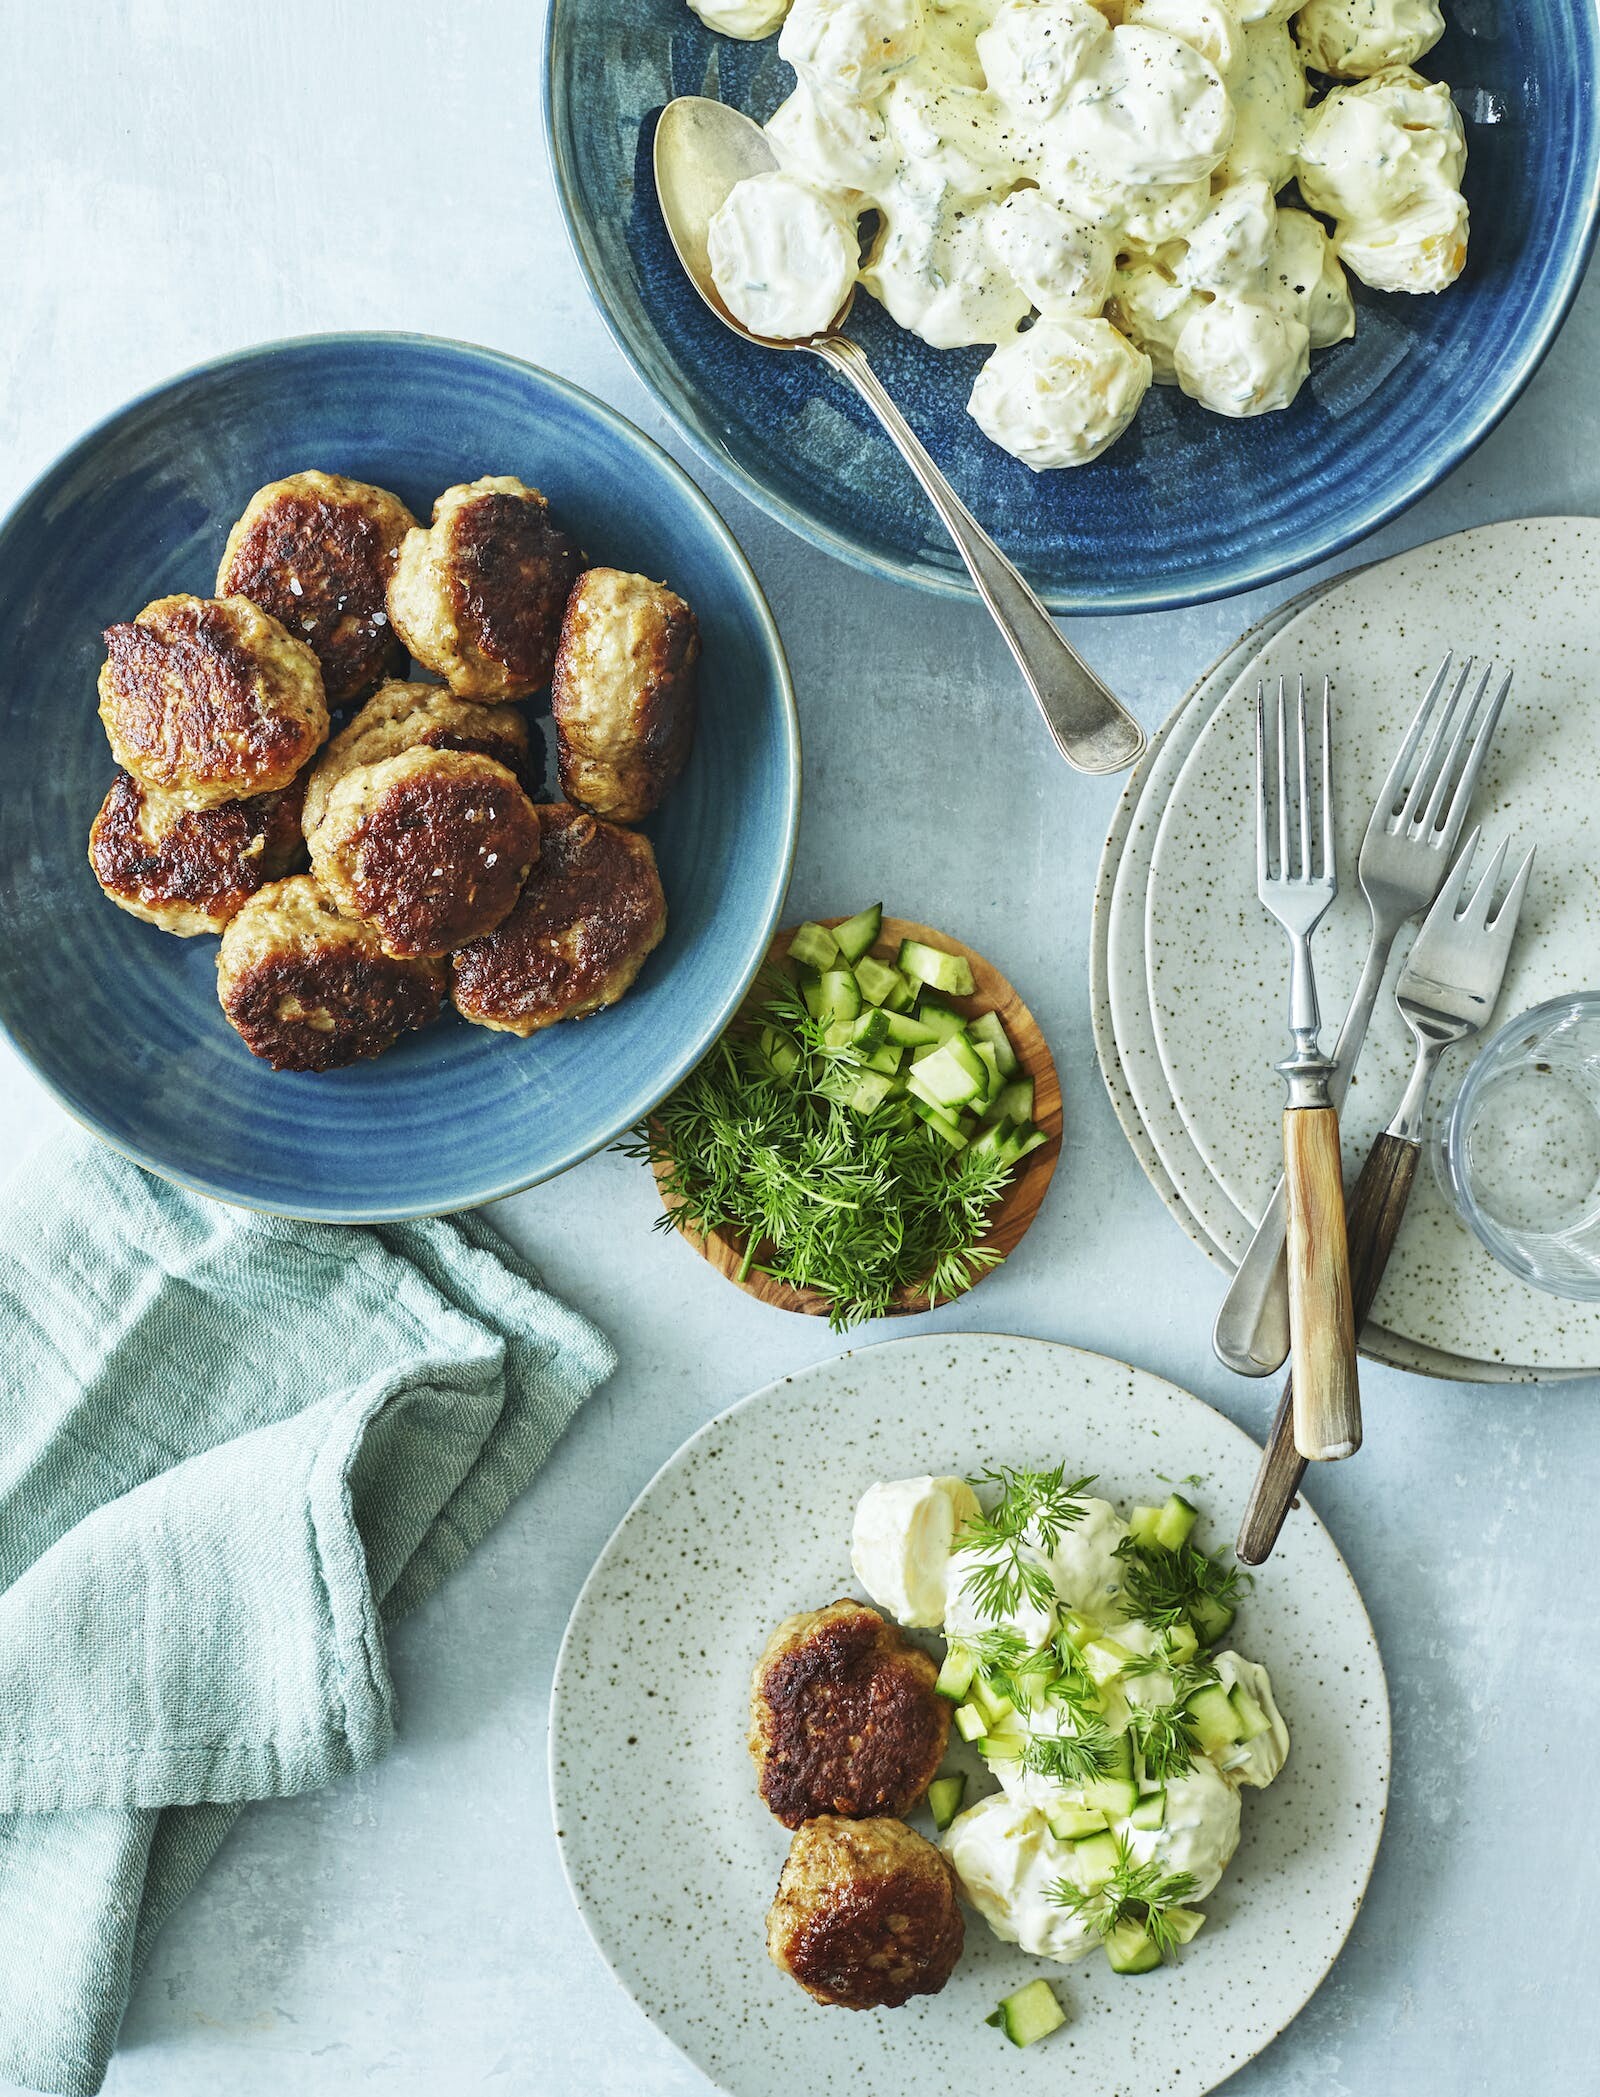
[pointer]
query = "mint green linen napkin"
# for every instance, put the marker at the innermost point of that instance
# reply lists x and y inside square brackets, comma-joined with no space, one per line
[232,1449]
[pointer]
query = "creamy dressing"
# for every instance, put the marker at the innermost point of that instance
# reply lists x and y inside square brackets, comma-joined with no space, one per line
[903,1542]
[1089,187]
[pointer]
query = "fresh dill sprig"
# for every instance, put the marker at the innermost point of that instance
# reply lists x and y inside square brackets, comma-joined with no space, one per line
[1164,1733]
[859,1207]
[1139,1893]
[1069,1758]
[1034,1510]
[1161,1585]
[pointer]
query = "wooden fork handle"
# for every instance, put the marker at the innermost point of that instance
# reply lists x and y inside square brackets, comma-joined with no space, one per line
[1375,1212]
[1322,1327]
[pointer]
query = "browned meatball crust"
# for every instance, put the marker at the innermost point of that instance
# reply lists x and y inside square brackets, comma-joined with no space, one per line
[307,988]
[866,1914]
[478,596]
[316,551]
[844,1717]
[431,847]
[189,870]
[623,695]
[209,699]
[591,911]
[415,716]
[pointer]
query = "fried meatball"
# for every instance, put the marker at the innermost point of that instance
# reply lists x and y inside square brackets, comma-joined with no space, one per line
[623,692]
[413,716]
[317,551]
[431,847]
[189,870]
[478,596]
[209,699]
[307,988]
[591,911]
[866,1914]
[844,1717]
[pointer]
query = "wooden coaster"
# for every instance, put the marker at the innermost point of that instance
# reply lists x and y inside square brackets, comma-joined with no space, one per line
[1018,1205]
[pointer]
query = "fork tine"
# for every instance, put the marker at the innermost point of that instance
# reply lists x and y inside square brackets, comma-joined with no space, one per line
[1307,814]
[1327,781]
[1475,917]
[1263,851]
[1505,918]
[1482,737]
[1421,784]
[1284,868]
[1458,743]
[1392,787]
[1444,903]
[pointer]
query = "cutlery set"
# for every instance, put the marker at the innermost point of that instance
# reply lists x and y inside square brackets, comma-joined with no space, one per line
[1311,1273]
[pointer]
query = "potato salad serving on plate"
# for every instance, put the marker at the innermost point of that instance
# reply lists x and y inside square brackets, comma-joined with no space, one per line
[1108,192]
[1085,1664]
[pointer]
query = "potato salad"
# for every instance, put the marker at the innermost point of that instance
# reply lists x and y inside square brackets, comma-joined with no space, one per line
[1086,1665]
[1094,188]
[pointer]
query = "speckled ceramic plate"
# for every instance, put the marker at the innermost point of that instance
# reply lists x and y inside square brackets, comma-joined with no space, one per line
[673,1861]
[1525,592]
[1125,1036]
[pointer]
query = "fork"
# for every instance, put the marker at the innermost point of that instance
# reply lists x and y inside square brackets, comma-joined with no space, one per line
[1415,824]
[1296,881]
[1446,993]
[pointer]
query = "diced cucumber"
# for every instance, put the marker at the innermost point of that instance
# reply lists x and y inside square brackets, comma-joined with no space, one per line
[1073,1823]
[970,1722]
[993,1083]
[1142,1525]
[1105,1659]
[943,1125]
[837,1034]
[944,1078]
[814,946]
[878,980]
[989,1027]
[1115,1797]
[1115,1711]
[1175,1521]
[1151,1811]
[1096,1861]
[1179,1643]
[990,1141]
[1120,1756]
[841,995]
[950,973]
[810,983]
[778,1052]
[1253,1720]
[1185,1923]
[955,1674]
[1015,1103]
[857,933]
[1023,1142]
[869,1092]
[944,1800]
[870,1029]
[1215,1722]
[885,1059]
[1130,1948]
[1002,1747]
[1210,1618]
[908,1032]
[940,1018]
[1078,1629]
[901,995]
[996,1709]
[1032,2013]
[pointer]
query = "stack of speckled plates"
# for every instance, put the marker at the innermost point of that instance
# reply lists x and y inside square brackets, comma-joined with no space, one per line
[1189,972]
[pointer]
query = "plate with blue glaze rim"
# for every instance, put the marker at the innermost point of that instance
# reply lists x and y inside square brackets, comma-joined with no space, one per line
[121,1021]
[1187,505]
[672,1858]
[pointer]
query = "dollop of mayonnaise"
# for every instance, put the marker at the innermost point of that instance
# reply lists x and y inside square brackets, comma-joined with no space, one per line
[1060,394]
[903,1544]
[783,255]
[1352,38]
[1007,1861]
[1256,1762]
[748,20]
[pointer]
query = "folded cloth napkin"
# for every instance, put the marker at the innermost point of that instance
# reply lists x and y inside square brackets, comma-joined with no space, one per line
[232,1449]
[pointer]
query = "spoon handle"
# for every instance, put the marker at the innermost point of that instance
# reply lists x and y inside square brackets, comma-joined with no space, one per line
[1092,728]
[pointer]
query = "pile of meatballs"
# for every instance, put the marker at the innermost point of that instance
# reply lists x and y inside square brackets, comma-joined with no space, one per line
[436,863]
[847,1732]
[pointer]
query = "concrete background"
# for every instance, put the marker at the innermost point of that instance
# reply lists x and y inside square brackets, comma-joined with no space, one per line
[180,178]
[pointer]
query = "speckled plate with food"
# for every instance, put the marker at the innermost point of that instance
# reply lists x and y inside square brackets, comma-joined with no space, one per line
[672,1859]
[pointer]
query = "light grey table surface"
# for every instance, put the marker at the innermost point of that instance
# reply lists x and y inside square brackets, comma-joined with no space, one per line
[179,178]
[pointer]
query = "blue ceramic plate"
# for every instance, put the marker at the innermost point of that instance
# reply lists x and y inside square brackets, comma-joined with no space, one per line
[1187,505]
[121,1021]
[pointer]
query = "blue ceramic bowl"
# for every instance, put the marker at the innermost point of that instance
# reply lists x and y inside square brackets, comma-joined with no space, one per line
[121,1021]
[1186,506]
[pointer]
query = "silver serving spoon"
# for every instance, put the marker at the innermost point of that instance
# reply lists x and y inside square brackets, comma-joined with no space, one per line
[702,149]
